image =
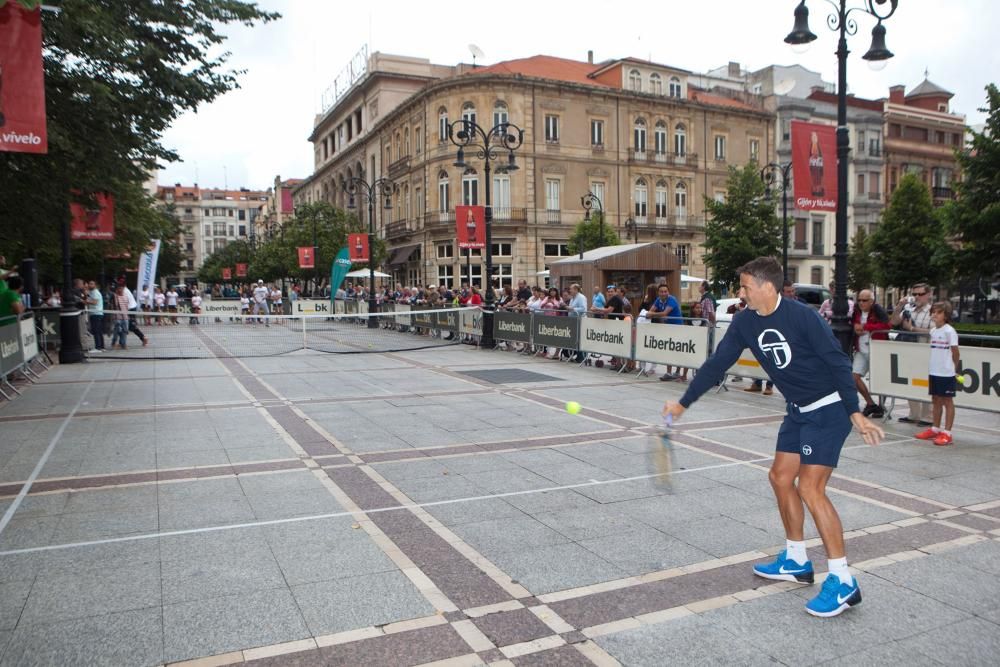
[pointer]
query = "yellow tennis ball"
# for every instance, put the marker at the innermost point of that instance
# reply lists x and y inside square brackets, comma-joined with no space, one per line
[573,407]
[960,379]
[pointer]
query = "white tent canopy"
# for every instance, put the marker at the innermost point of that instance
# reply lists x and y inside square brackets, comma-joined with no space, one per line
[691,279]
[363,273]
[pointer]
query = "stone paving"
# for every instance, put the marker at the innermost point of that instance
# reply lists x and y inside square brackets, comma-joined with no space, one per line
[412,508]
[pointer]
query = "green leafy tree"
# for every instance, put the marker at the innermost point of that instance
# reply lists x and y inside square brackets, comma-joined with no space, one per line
[587,235]
[117,74]
[740,228]
[973,219]
[237,252]
[908,243]
[860,264]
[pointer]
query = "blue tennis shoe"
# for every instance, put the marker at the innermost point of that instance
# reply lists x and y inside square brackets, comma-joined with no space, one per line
[834,597]
[785,569]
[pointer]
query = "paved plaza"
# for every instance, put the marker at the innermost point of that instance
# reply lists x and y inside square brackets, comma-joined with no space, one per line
[440,506]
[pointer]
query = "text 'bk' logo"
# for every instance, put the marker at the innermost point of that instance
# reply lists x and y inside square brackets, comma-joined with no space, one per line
[772,343]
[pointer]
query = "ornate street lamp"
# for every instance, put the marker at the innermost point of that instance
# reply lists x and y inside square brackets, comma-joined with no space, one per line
[588,200]
[841,21]
[488,146]
[775,174]
[380,187]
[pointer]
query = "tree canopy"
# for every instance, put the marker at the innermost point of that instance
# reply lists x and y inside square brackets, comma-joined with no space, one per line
[740,228]
[860,265]
[587,234]
[117,74]
[908,244]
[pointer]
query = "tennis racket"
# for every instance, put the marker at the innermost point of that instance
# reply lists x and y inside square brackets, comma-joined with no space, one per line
[662,453]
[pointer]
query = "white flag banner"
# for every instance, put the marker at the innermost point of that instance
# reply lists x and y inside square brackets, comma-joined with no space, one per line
[147,270]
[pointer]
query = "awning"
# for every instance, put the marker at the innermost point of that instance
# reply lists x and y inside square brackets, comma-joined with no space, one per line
[402,255]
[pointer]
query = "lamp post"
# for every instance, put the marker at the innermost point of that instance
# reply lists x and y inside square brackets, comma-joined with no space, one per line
[770,175]
[489,145]
[631,229]
[841,21]
[588,200]
[380,187]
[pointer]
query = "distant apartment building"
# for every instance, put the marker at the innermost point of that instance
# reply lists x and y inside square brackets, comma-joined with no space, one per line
[275,209]
[637,134]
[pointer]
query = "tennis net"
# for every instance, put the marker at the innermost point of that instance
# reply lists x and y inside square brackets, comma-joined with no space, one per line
[191,336]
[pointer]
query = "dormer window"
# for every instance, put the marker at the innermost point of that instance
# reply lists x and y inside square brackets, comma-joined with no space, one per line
[675,87]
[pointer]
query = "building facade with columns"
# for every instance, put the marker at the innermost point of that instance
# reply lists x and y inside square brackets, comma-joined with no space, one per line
[637,134]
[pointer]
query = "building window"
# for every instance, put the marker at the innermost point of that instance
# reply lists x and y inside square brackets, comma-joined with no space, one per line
[218,229]
[860,188]
[597,189]
[443,198]
[680,201]
[418,199]
[874,185]
[640,198]
[793,274]
[675,87]
[417,143]
[816,275]
[503,249]
[501,195]
[875,144]
[504,275]
[755,150]
[661,200]
[476,271]
[655,84]
[406,141]
[446,275]
[660,139]
[469,112]
[442,125]
[557,250]
[639,136]
[680,140]
[552,194]
[499,113]
[551,128]
[683,251]
[635,80]
[242,230]
[470,188]
[241,214]
[208,247]
[597,133]
[445,250]
[799,234]
[817,240]
[208,230]
[720,148]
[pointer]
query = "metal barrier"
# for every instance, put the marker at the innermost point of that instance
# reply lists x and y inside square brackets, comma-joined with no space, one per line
[18,350]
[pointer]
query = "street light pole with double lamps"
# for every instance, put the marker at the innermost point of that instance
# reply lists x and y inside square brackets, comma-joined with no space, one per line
[588,200]
[770,174]
[380,187]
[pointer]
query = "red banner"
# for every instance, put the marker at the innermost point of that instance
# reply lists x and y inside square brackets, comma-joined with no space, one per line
[307,257]
[814,166]
[227,273]
[22,86]
[95,221]
[357,244]
[241,270]
[470,226]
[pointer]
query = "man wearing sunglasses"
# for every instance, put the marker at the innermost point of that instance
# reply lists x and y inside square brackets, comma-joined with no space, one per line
[913,314]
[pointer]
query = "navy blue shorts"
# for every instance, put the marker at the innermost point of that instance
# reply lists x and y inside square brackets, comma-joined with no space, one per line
[942,385]
[816,436]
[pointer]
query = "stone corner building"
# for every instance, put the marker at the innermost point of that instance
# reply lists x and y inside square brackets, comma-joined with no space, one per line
[639,135]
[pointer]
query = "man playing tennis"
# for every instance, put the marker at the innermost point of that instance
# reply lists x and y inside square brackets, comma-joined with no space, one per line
[796,348]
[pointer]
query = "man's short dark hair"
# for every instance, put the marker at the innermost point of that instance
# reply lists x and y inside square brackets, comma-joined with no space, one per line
[15,282]
[787,283]
[764,270]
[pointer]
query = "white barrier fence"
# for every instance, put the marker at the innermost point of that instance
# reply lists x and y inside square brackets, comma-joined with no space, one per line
[18,348]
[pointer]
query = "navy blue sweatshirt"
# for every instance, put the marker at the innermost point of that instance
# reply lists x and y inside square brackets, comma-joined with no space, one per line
[794,345]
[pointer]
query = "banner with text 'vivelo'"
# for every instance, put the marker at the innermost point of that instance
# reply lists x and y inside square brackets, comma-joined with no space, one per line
[604,336]
[22,84]
[514,327]
[671,344]
[900,370]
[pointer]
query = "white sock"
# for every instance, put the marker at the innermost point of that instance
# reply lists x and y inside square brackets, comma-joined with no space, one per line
[796,551]
[838,566]
[935,429]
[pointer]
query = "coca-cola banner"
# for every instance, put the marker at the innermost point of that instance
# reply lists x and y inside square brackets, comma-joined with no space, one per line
[307,257]
[227,273]
[470,226]
[93,221]
[357,245]
[241,270]
[814,166]
[22,87]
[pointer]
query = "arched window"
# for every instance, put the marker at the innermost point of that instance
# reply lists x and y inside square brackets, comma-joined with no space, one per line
[680,201]
[443,194]
[442,125]
[406,141]
[470,187]
[641,198]
[655,84]
[661,200]
[635,80]
[680,140]
[639,137]
[399,145]
[500,113]
[469,112]
[675,87]
[660,140]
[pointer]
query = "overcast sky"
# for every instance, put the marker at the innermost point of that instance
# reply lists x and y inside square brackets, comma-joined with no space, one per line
[250,135]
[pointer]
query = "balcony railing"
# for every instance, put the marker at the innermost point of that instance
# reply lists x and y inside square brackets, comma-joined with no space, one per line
[875,196]
[399,167]
[668,222]
[397,229]
[653,157]
[553,216]
[943,193]
[506,214]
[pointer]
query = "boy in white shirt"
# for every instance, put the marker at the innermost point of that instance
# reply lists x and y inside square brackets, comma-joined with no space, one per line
[195,307]
[941,374]
[260,295]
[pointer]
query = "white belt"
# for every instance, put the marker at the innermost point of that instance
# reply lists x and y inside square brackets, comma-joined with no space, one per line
[816,405]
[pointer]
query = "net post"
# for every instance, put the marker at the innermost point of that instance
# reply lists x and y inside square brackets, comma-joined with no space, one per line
[305,344]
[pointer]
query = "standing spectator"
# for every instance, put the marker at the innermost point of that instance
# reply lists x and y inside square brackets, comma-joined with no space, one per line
[708,303]
[697,320]
[133,305]
[523,292]
[598,303]
[172,303]
[159,305]
[913,315]
[145,302]
[826,308]
[119,334]
[666,310]
[95,312]
[642,317]
[941,372]
[577,308]
[278,306]
[260,294]
[54,300]
[476,299]
[10,299]
[195,308]
[869,319]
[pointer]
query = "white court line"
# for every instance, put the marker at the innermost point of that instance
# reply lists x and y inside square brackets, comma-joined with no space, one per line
[9,514]
[333,515]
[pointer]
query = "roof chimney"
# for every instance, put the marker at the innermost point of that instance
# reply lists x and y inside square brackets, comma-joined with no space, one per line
[590,57]
[897,94]
[734,69]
